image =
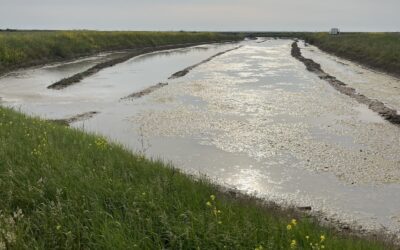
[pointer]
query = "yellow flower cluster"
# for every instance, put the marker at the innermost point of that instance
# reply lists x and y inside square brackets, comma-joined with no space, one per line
[216,212]
[101,143]
[292,224]
[293,244]
[41,146]
[317,245]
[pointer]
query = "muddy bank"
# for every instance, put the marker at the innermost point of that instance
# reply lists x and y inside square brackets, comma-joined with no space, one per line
[342,228]
[377,106]
[63,83]
[361,58]
[188,69]
[145,91]
[76,118]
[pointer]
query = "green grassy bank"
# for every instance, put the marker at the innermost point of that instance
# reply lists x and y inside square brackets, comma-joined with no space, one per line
[63,189]
[376,50]
[27,48]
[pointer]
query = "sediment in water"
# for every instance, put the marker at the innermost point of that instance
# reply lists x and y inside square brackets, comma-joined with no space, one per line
[188,69]
[145,91]
[65,82]
[76,118]
[175,75]
[377,106]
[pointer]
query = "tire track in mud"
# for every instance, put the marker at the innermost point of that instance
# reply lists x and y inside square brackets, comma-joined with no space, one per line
[188,69]
[377,106]
[66,82]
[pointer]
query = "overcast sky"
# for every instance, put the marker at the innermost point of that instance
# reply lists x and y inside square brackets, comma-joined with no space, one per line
[213,15]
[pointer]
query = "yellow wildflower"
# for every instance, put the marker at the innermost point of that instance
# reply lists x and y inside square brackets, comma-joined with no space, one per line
[289,227]
[322,238]
[208,203]
[294,222]
[307,237]
[322,247]
[293,244]
[212,197]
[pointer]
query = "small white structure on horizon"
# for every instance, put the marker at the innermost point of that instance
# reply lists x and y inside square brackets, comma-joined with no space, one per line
[335,31]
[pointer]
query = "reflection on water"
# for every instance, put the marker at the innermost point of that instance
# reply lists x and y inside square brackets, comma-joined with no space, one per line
[370,83]
[252,119]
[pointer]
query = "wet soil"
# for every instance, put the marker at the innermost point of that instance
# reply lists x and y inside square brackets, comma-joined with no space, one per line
[145,91]
[188,69]
[75,118]
[65,82]
[375,105]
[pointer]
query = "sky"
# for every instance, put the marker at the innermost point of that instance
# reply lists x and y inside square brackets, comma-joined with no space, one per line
[202,15]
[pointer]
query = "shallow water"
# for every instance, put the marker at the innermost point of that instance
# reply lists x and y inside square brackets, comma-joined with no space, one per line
[371,83]
[252,119]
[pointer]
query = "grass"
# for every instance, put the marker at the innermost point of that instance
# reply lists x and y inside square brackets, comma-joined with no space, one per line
[376,50]
[28,48]
[61,188]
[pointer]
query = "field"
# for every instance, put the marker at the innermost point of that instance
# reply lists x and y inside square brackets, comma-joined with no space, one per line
[64,189]
[28,48]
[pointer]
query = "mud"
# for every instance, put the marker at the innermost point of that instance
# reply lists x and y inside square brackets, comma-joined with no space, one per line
[145,91]
[65,82]
[76,118]
[188,69]
[342,228]
[375,105]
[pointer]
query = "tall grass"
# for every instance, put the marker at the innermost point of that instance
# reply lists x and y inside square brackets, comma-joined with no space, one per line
[63,189]
[30,48]
[377,50]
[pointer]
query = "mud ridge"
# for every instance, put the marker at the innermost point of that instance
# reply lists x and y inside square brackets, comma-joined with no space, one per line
[188,69]
[76,118]
[145,91]
[375,105]
[65,82]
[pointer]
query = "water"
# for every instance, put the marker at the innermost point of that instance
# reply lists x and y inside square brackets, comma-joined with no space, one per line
[253,119]
[368,82]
